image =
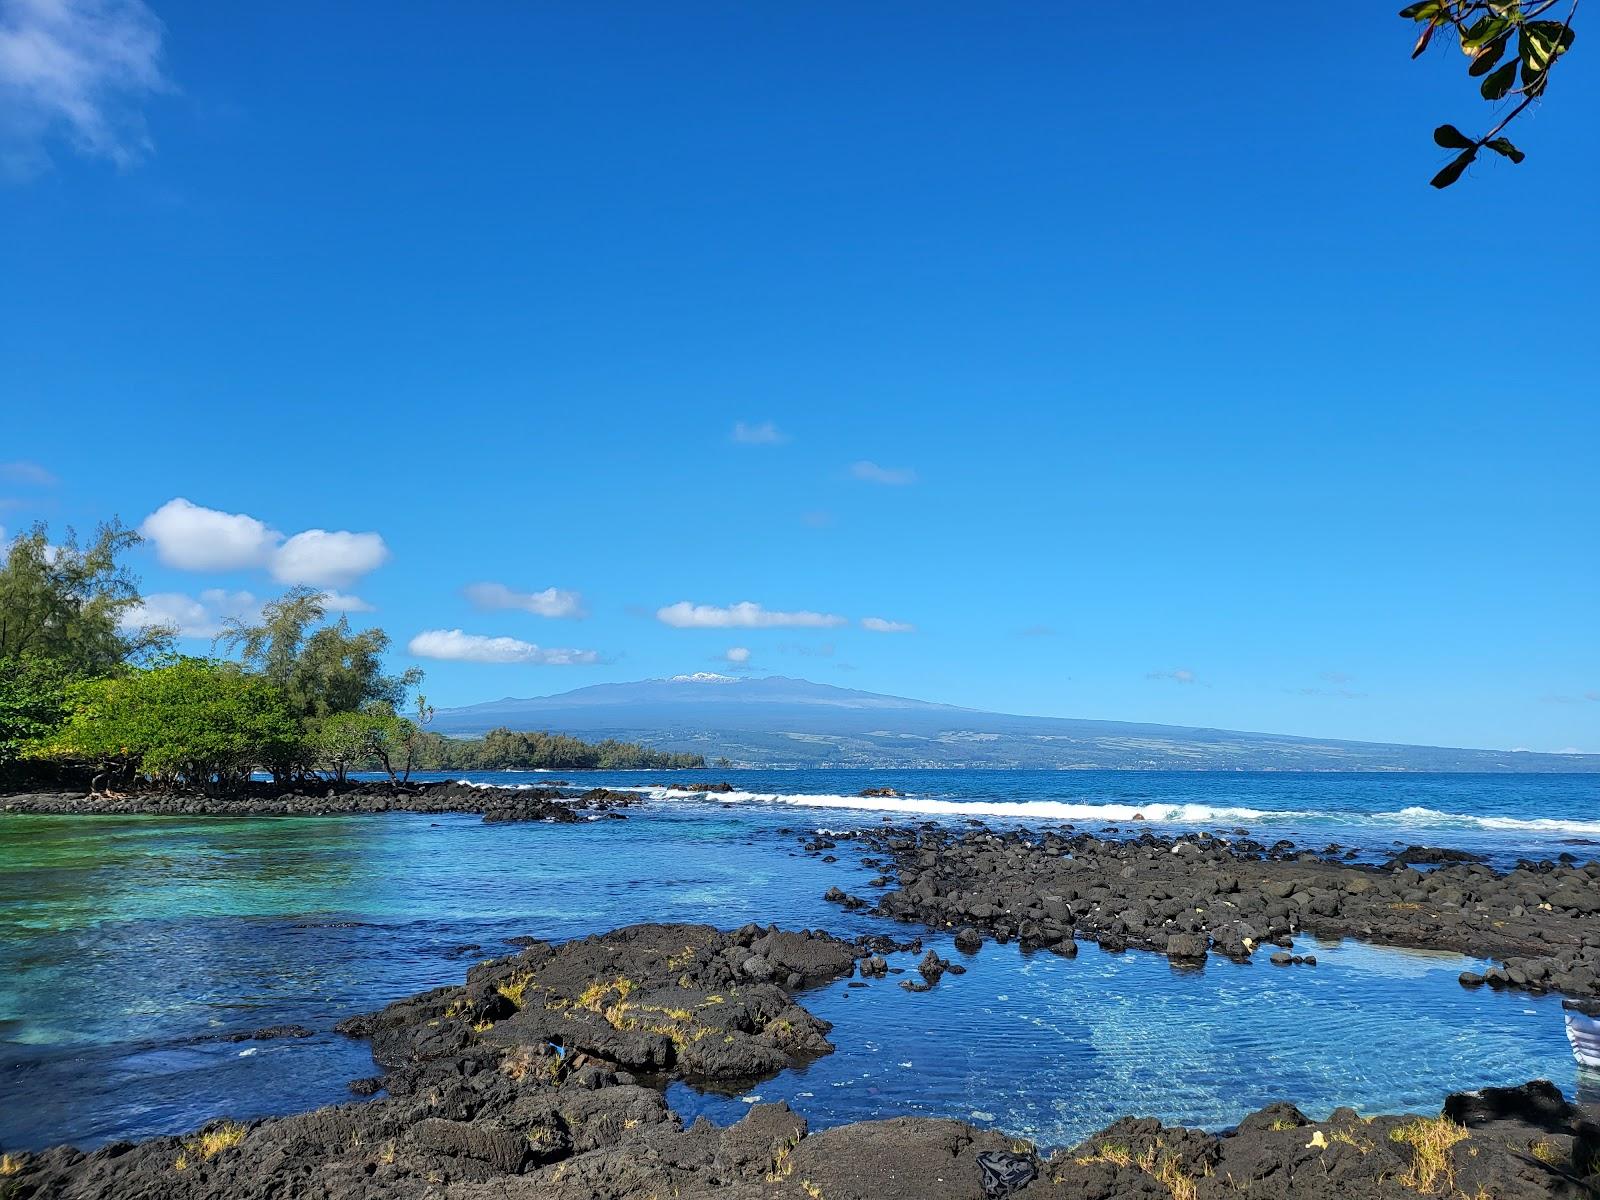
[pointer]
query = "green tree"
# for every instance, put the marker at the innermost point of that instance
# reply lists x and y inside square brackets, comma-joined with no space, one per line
[410,740]
[33,703]
[66,604]
[188,722]
[1510,46]
[323,669]
[342,742]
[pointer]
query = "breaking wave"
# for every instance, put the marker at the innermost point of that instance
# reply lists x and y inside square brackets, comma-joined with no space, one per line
[1154,812]
[1036,810]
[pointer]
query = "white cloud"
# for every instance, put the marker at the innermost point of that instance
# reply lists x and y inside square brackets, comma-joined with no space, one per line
[738,655]
[345,603]
[745,615]
[78,68]
[764,433]
[193,538]
[1177,675]
[29,473]
[551,602]
[871,472]
[455,646]
[191,617]
[328,558]
[882,625]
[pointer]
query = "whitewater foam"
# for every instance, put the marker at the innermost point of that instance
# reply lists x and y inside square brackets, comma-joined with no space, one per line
[1154,812]
[1037,810]
[1419,815]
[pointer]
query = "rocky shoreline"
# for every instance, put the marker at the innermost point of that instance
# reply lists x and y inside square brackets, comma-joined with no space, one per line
[560,803]
[540,1076]
[1192,895]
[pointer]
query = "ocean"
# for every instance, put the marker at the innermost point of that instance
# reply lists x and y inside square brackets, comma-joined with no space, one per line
[127,944]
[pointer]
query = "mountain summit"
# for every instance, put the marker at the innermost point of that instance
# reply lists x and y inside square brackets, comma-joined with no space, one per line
[777,721]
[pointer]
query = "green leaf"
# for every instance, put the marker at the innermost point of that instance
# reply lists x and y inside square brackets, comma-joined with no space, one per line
[1487,57]
[1540,43]
[1499,83]
[1423,11]
[1503,146]
[1483,31]
[1453,169]
[1452,138]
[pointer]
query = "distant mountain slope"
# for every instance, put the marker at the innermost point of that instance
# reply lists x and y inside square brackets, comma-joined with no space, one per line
[782,722]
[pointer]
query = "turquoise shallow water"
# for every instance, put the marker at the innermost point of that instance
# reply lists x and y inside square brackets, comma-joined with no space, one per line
[122,940]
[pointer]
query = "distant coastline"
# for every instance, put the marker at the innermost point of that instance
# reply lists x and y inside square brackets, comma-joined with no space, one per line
[777,722]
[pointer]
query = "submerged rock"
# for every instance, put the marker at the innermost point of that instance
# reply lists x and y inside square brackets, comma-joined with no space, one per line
[531,1081]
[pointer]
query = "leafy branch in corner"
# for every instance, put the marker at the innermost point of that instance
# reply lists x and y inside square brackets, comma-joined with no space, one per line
[1487,30]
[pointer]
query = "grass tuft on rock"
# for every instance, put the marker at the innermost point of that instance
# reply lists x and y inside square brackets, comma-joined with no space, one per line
[208,1144]
[1431,1140]
[1153,1161]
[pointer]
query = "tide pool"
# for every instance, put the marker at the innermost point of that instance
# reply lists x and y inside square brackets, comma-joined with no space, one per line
[123,940]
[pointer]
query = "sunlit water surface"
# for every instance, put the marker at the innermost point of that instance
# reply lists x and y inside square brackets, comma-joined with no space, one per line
[123,940]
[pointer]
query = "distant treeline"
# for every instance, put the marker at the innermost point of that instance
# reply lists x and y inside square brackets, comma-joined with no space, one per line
[509,750]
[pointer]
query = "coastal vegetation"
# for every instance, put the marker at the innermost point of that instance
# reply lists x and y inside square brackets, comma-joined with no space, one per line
[505,749]
[88,689]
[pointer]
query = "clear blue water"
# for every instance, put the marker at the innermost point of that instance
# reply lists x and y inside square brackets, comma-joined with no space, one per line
[124,939]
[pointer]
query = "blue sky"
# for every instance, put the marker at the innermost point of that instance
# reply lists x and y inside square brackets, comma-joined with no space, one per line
[1137,370]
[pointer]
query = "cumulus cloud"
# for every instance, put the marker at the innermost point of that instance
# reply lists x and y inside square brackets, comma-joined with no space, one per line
[77,69]
[328,558]
[1176,675]
[745,615]
[737,655]
[551,602]
[196,617]
[763,433]
[344,603]
[191,537]
[455,646]
[30,474]
[884,625]
[871,472]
